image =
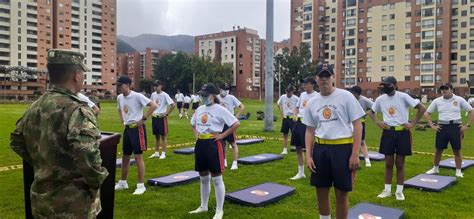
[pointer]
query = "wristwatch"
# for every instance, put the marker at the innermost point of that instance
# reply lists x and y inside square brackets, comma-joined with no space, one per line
[144,118]
[468,125]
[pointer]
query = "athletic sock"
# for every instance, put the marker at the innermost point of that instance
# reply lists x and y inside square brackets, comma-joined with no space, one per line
[367,160]
[458,171]
[301,169]
[324,216]
[219,188]
[205,190]
[388,187]
[399,188]
[436,168]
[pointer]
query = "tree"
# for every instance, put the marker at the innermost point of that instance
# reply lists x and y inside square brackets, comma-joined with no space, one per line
[19,74]
[146,85]
[179,70]
[294,65]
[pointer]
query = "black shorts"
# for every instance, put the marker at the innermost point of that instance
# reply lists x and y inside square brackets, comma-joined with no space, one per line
[134,140]
[332,167]
[395,142]
[449,134]
[297,134]
[287,125]
[179,105]
[231,137]
[195,106]
[186,105]
[159,125]
[363,131]
[209,156]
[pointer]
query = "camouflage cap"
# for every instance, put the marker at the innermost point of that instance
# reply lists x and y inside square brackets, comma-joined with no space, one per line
[68,57]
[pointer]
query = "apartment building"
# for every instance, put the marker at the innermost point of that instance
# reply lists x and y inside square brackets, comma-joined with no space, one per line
[422,43]
[28,29]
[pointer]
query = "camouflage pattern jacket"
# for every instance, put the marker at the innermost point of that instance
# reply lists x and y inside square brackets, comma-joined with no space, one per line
[59,137]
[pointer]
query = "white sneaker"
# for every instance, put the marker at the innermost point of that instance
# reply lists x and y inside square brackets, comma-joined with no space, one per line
[230,146]
[234,166]
[180,115]
[156,154]
[198,210]
[298,176]
[285,151]
[399,196]
[163,156]
[368,164]
[384,194]
[225,162]
[121,185]
[140,190]
[460,175]
[432,171]
[218,215]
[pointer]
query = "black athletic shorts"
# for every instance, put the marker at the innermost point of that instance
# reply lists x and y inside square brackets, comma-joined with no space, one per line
[287,124]
[395,142]
[298,133]
[159,125]
[363,131]
[186,105]
[195,106]
[134,140]
[231,137]
[179,105]
[449,134]
[209,156]
[332,166]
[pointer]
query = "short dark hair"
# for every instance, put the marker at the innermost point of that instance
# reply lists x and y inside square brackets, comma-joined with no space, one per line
[60,73]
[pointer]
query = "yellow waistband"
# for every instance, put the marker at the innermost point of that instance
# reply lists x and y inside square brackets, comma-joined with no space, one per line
[362,119]
[206,136]
[132,126]
[333,141]
[396,128]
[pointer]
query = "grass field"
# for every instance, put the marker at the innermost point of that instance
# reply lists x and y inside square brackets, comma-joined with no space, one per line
[455,202]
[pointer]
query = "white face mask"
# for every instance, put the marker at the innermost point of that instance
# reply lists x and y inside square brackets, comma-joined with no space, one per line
[206,100]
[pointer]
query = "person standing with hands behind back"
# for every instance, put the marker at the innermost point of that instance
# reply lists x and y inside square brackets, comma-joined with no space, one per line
[207,124]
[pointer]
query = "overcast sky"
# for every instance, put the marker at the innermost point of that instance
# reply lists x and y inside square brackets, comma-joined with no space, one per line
[197,17]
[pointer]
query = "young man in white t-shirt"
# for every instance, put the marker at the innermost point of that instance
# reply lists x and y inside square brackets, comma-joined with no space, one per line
[299,129]
[187,102]
[230,102]
[366,105]
[396,136]
[449,128]
[286,105]
[195,102]
[179,98]
[159,122]
[333,136]
[130,108]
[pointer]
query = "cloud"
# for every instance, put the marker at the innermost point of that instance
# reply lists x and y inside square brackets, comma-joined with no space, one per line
[195,17]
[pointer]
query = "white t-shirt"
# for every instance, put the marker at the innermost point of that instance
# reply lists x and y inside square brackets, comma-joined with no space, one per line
[332,115]
[449,109]
[187,99]
[288,104]
[195,98]
[179,97]
[365,103]
[131,106]
[86,99]
[211,119]
[229,102]
[303,101]
[471,101]
[162,100]
[395,109]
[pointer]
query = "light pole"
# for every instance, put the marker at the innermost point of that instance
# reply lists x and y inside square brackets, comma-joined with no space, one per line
[269,74]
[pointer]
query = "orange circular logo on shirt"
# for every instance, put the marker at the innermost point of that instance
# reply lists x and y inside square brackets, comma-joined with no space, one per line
[158,102]
[327,113]
[455,103]
[391,111]
[288,104]
[204,118]
[304,103]
[125,109]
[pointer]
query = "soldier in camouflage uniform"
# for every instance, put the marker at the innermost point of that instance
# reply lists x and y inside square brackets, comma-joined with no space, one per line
[59,137]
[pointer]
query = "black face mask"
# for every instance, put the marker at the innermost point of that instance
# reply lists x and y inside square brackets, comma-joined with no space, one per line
[388,90]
